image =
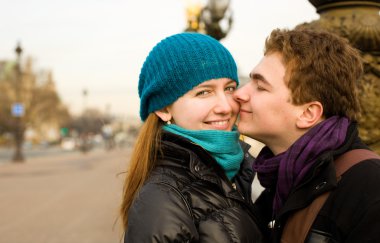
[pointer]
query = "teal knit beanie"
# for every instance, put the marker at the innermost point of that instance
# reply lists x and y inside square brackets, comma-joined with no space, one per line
[179,63]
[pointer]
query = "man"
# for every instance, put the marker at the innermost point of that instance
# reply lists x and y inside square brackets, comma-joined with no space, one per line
[302,103]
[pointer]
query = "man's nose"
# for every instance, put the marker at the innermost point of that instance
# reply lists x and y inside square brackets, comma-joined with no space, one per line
[240,95]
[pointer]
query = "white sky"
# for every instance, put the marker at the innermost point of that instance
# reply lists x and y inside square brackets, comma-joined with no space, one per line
[100,45]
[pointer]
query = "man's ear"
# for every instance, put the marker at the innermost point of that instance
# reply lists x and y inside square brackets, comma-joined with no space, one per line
[164,114]
[311,114]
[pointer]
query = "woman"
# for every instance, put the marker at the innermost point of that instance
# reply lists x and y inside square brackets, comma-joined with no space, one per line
[189,178]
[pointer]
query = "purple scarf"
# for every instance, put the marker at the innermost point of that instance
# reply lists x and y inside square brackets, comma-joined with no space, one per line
[288,169]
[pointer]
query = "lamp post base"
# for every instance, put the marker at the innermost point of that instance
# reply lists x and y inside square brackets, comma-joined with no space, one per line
[18,157]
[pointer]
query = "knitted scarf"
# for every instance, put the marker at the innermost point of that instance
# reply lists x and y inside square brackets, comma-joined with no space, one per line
[224,146]
[288,169]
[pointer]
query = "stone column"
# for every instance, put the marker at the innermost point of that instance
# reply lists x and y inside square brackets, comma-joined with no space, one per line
[359,22]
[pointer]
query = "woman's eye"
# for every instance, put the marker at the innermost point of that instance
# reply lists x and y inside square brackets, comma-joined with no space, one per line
[231,88]
[202,93]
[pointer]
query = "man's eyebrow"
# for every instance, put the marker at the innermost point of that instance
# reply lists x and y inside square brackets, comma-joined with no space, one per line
[258,76]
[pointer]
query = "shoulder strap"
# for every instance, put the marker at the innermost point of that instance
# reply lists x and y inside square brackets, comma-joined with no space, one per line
[352,157]
[298,224]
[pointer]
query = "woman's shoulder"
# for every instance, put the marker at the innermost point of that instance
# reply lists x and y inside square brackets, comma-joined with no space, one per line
[159,210]
[158,192]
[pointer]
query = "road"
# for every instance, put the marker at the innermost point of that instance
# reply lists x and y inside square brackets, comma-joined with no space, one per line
[6,153]
[62,198]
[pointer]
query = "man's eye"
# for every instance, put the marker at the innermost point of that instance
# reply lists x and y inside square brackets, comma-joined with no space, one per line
[260,88]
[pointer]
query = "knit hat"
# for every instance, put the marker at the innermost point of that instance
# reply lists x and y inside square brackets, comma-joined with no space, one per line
[179,63]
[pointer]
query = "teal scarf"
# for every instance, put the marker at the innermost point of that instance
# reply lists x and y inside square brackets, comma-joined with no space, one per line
[224,146]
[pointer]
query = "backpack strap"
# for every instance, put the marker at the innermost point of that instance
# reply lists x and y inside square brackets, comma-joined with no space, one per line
[299,223]
[352,157]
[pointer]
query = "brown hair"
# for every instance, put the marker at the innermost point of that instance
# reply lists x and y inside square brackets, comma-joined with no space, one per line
[142,161]
[320,66]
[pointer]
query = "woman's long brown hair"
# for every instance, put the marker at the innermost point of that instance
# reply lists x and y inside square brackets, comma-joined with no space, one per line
[142,161]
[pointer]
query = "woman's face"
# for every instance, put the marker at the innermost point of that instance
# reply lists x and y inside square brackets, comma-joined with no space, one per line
[208,106]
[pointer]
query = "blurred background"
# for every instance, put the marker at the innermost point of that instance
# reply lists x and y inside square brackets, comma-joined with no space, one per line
[72,66]
[69,108]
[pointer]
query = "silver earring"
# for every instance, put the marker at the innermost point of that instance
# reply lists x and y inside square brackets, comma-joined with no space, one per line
[169,122]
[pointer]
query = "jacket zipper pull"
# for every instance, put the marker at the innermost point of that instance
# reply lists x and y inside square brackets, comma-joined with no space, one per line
[234,186]
[271,224]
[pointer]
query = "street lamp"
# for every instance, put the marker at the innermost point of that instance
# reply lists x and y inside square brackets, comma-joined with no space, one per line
[213,18]
[84,93]
[18,110]
[214,15]
[193,12]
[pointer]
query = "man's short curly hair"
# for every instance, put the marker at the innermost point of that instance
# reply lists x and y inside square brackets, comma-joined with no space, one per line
[320,66]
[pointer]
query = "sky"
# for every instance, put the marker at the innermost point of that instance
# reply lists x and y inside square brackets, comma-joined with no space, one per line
[100,45]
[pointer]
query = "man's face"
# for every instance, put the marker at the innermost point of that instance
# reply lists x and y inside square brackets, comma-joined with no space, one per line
[266,112]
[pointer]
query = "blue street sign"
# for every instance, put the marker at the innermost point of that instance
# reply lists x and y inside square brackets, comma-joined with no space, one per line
[17,110]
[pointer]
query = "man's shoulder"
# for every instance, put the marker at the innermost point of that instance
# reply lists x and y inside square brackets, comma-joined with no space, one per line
[365,169]
[357,161]
[354,203]
[362,179]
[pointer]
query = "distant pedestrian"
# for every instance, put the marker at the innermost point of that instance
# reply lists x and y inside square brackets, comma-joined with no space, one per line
[189,177]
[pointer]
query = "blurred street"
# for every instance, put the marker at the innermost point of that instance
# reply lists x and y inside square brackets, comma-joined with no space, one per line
[6,153]
[61,197]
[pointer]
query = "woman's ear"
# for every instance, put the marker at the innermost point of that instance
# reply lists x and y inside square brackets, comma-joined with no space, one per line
[164,114]
[311,115]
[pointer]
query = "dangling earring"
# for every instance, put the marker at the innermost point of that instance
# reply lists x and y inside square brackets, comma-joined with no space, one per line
[169,122]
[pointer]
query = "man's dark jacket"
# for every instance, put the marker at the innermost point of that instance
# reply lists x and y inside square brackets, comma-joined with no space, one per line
[352,210]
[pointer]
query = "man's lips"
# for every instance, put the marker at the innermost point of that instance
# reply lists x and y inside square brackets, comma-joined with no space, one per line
[245,111]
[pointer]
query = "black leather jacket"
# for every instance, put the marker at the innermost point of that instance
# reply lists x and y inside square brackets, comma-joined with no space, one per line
[188,198]
[350,214]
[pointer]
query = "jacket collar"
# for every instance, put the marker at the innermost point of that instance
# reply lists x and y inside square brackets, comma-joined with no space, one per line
[322,177]
[178,151]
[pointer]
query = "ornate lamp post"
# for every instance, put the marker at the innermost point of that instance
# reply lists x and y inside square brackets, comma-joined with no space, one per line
[84,93]
[193,12]
[359,22]
[214,18]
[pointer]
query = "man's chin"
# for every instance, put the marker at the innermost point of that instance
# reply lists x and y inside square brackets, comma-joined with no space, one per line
[244,129]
